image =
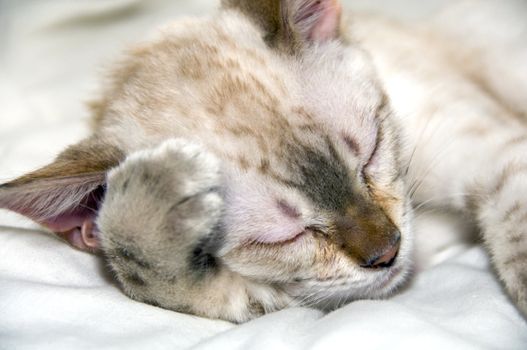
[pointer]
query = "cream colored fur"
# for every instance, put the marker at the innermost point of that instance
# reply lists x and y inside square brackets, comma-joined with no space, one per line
[272,162]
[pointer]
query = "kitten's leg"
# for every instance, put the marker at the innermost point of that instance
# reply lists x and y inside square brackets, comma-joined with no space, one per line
[478,164]
[503,218]
[160,228]
[485,175]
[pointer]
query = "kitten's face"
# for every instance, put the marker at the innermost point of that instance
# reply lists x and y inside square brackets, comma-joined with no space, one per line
[315,200]
[313,186]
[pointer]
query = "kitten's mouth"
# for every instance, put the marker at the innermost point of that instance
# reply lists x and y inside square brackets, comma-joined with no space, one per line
[381,277]
[392,277]
[342,290]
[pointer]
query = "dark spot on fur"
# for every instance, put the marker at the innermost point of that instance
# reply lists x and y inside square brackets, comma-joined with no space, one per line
[287,209]
[184,309]
[516,238]
[322,177]
[181,202]
[170,278]
[264,166]
[352,144]
[256,308]
[128,255]
[201,260]
[125,185]
[385,101]
[148,177]
[134,279]
[202,257]
[519,258]
[244,163]
[510,171]
[151,302]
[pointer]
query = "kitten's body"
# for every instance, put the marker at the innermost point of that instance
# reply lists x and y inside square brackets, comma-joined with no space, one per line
[261,165]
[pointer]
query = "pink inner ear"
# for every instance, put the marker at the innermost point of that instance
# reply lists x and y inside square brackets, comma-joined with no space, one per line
[78,229]
[77,225]
[66,204]
[327,24]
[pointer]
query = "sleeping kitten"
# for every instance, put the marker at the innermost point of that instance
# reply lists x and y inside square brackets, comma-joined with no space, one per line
[252,160]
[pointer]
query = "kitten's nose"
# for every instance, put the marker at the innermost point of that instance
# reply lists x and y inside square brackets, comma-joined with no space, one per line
[386,259]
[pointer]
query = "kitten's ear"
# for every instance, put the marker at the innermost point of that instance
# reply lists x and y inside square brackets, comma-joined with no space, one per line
[293,23]
[65,195]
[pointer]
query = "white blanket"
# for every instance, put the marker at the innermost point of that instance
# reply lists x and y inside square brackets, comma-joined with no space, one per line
[53,297]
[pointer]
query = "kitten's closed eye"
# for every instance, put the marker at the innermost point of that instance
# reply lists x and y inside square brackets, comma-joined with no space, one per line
[286,227]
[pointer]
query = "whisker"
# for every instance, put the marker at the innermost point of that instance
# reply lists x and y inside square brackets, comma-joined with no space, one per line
[432,162]
[442,198]
[415,146]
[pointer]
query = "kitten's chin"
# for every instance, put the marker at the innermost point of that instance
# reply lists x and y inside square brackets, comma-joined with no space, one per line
[381,284]
[394,280]
[397,278]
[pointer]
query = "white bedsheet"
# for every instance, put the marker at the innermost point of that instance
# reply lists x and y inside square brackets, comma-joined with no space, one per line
[53,297]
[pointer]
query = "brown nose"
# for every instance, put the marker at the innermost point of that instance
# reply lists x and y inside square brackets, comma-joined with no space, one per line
[368,235]
[386,259]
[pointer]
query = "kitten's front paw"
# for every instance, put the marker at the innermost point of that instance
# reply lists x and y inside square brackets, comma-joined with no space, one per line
[160,224]
[163,202]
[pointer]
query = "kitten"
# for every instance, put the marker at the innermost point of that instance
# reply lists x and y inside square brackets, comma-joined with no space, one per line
[252,160]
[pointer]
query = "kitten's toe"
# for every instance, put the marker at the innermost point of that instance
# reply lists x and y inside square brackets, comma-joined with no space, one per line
[176,168]
[194,169]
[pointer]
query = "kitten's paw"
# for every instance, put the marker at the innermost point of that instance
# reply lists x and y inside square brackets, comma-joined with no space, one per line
[163,201]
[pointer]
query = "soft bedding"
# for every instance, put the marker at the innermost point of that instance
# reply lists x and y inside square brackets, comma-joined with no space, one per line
[51,296]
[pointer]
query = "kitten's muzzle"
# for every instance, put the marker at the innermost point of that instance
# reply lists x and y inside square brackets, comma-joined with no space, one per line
[368,236]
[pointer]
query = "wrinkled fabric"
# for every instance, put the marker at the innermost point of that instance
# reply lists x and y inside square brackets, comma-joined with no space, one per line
[54,297]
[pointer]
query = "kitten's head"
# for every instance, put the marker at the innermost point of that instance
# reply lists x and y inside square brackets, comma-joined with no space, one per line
[315,199]
[325,214]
